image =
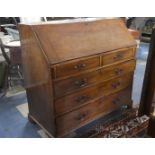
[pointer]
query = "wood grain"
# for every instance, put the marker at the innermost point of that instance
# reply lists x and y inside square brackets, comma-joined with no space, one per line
[91,111]
[76,71]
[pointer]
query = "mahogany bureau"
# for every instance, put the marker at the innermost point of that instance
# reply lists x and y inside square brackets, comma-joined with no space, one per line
[76,71]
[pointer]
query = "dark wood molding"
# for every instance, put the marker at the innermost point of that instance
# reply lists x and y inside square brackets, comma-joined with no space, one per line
[148,90]
[149,80]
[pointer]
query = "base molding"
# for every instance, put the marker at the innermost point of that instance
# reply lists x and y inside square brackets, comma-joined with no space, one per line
[34,121]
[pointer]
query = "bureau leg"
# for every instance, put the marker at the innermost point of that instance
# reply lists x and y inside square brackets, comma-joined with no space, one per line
[31,119]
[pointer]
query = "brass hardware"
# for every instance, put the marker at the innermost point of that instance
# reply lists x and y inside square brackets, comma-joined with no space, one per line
[116,101]
[81,83]
[118,71]
[79,66]
[81,117]
[118,56]
[116,84]
[82,99]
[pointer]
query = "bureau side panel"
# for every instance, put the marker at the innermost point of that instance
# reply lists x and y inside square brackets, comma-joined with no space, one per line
[37,80]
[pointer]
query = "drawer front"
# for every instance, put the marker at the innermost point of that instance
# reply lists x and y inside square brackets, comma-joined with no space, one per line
[76,67]
[62,87]
[118,70]
[116,56]
[72,101]
[100,107]
[69,102]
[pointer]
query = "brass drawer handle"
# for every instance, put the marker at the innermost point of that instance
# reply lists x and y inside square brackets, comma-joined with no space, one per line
[81,117]
[82,99]
[116,101]
[79,66]
[118,71]
[81,83]
[118,56]
[116,84]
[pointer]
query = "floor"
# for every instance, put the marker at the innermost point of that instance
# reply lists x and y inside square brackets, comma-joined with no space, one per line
[13,117]
[141,55]
[14,108]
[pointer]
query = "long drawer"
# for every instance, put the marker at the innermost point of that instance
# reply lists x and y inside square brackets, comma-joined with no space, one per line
[79,98]
[62,87]
[91,111]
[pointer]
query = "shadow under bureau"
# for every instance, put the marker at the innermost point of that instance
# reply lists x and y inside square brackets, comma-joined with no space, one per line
[76,71]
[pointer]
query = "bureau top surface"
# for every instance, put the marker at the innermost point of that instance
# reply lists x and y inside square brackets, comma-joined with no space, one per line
[66,41]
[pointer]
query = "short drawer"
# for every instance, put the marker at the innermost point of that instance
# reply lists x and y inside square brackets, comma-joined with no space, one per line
[77,66]
[93,110]
[62,87]
[79,98]
[116,56]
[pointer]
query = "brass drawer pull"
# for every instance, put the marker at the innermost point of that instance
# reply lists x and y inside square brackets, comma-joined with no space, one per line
[79,66]
[116,101]
[116,84]
[82,99]
[81,117]
[118,56]
[118,71]
[81,83]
